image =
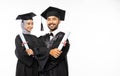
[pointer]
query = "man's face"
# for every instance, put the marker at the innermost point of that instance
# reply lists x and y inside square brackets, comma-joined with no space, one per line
[53,22]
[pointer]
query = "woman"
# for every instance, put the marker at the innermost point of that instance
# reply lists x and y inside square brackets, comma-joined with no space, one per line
[32,60]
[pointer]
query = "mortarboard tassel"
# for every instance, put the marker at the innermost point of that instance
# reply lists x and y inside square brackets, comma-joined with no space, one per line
[42,29]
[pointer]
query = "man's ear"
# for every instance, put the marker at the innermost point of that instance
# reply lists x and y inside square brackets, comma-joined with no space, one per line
[59,20]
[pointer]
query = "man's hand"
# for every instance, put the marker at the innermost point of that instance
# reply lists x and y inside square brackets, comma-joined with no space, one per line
[30,52]
[55,53]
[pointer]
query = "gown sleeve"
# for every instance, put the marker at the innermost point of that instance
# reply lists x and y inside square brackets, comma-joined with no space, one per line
[21,53]
[54,61]
[64,50]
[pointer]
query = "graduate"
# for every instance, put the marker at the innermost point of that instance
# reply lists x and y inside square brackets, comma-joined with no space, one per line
[57,64]
[30,61]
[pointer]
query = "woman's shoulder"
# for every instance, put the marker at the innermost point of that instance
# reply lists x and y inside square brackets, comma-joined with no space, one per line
[33,35]
[17,36]
[45,35]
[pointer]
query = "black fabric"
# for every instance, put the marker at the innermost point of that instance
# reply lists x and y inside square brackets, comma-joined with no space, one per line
[30,65]
[53,11]
[26,16]
[56,66]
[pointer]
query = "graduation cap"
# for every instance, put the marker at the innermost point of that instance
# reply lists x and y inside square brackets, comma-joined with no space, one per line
[53,11]
[26,16]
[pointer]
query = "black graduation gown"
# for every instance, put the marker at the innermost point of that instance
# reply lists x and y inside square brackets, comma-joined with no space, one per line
[29,65]
[56,66]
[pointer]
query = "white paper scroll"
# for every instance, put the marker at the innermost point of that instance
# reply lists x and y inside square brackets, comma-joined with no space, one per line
[24,41]
[63,40]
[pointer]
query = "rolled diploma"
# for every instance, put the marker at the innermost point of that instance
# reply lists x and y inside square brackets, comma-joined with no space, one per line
[24,41]
[63,40]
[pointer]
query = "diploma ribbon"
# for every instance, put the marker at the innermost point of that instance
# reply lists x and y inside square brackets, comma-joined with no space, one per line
[24,41]
[62,43]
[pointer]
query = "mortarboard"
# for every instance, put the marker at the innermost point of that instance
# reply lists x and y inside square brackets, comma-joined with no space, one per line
[53,11]
[26,16]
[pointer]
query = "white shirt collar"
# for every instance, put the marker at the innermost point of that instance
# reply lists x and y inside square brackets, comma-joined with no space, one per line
[55,32]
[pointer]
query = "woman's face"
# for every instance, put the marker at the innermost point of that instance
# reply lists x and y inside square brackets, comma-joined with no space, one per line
[29,25]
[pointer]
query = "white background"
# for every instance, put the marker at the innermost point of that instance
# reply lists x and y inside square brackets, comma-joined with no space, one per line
[94,27]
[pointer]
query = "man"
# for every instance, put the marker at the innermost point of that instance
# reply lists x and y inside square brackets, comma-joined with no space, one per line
[57,62]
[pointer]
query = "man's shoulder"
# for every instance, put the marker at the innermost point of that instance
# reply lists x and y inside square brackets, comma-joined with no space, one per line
[60,33]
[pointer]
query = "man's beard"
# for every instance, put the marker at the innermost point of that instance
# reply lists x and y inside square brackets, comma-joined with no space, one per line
[53,28]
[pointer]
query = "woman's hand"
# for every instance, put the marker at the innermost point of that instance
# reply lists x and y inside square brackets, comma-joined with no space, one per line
[30,52]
